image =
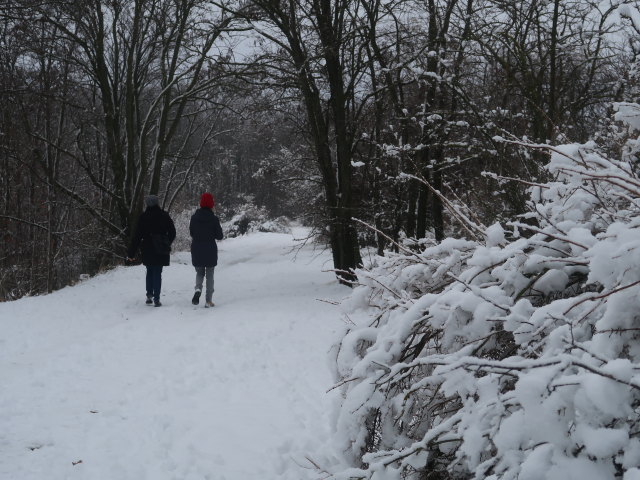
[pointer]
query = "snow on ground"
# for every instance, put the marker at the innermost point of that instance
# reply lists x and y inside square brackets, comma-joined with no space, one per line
[91,375]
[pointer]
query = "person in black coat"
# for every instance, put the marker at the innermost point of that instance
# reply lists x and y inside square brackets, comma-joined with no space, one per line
[205,229]
[154,235]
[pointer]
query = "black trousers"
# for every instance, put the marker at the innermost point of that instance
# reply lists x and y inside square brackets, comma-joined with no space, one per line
[154,281]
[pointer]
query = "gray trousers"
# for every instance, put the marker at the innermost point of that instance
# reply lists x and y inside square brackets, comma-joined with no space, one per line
[200,274]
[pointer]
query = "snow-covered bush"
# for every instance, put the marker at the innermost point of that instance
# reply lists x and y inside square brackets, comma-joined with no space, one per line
[182,243]
[251,218]
[515,357]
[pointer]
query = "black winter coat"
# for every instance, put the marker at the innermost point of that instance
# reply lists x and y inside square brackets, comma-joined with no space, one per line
[153,220]
[205,229]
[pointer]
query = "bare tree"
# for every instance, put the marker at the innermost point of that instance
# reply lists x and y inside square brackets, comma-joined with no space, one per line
[103,101]
[148,68]
[314,51]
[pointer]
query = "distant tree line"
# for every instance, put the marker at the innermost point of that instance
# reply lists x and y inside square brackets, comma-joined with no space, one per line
[374,120]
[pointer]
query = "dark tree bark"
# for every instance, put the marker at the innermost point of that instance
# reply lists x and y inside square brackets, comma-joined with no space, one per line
[331,128]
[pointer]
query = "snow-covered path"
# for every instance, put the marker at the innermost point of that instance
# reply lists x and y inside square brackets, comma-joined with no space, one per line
[96,385]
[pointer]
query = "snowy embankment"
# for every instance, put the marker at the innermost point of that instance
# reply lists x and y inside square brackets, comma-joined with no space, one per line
[97,385]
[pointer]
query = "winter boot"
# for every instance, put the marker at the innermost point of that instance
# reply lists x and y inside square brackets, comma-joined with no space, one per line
[149,300]
[196,297]
[209,304]
[156,303]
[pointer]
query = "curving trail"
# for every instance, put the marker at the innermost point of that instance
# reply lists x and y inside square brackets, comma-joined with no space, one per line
[92,376]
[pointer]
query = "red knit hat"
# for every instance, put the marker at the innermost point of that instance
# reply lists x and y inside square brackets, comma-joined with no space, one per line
[206,200]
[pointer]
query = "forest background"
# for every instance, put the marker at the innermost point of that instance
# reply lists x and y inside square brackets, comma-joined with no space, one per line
[378,123]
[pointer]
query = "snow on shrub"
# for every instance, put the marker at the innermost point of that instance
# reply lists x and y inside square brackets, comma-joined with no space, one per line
[251,218]
[182,243]
[503,359]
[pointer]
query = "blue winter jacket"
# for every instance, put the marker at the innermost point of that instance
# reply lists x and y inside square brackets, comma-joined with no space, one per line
[205,229]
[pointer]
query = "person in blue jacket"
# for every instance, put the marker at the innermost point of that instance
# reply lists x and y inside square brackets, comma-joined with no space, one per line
[205,229]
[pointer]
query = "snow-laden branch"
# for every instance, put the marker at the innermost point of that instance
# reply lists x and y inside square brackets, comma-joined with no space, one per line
[503,358]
